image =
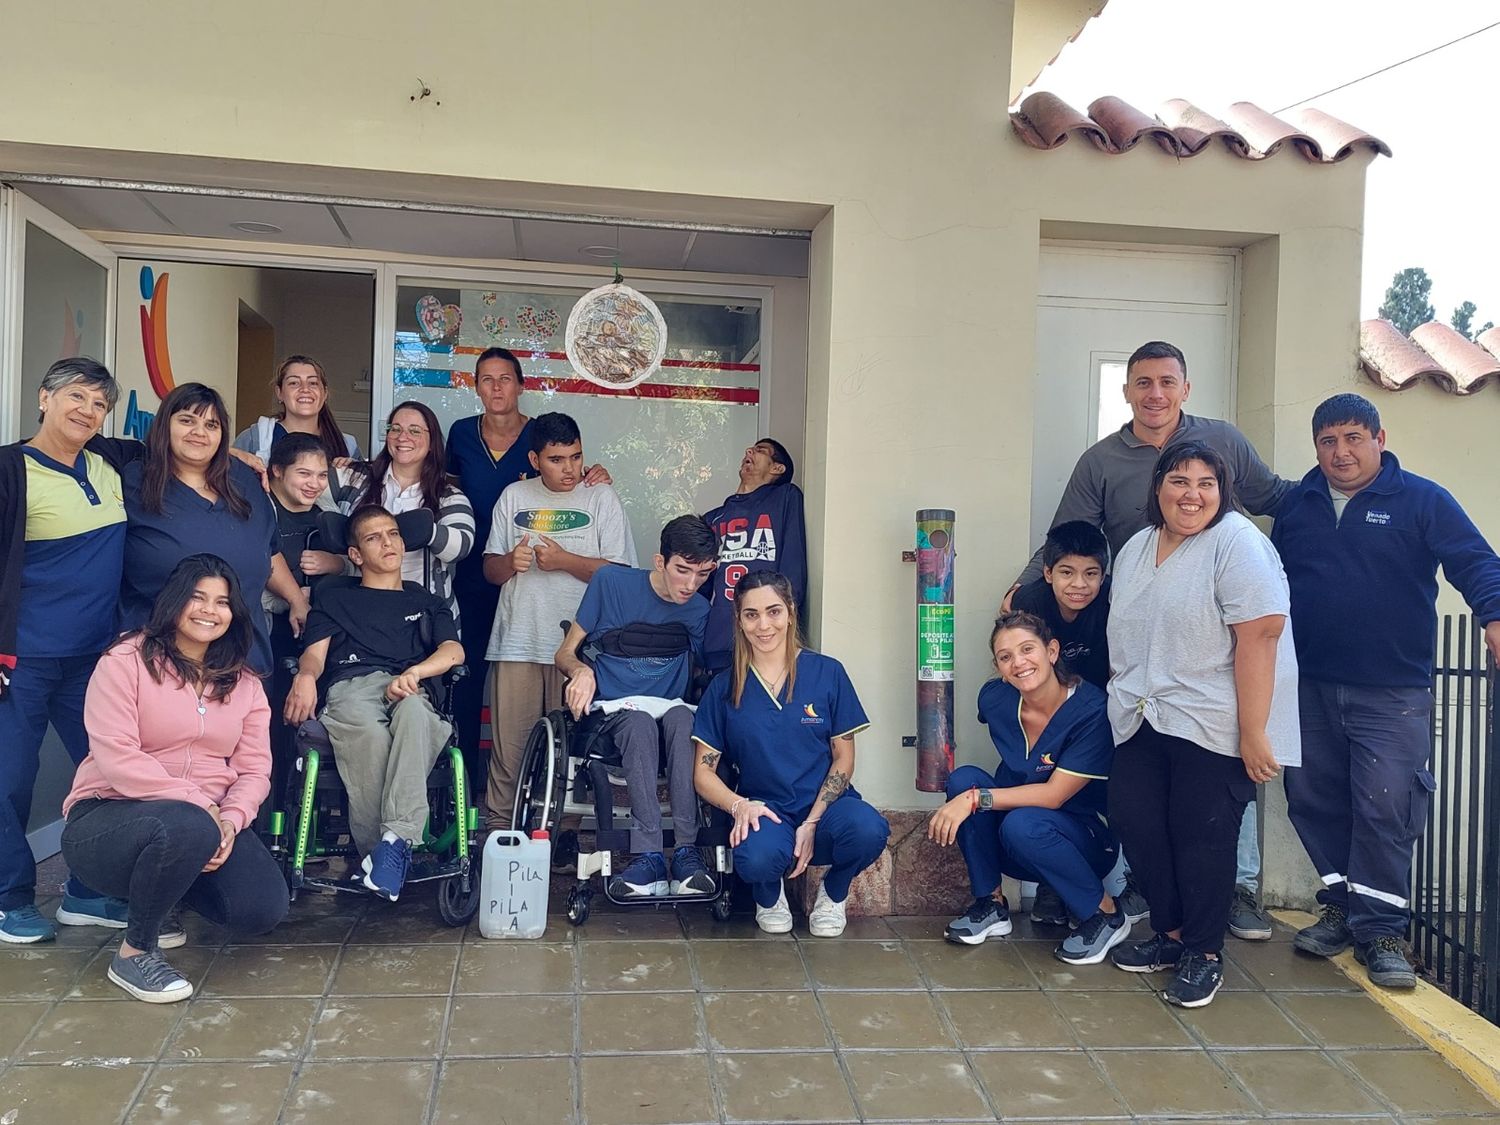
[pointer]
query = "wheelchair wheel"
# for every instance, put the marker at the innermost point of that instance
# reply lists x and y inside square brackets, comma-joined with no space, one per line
[722,907]
[539,792]
[579,901]
[457,907]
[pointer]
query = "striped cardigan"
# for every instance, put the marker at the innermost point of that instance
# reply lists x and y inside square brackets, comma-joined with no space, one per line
[452,534]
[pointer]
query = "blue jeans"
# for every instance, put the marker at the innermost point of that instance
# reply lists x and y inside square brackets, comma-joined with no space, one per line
[1359,800]
[1247,853]
[1071,854]
[42,690]
[850,837]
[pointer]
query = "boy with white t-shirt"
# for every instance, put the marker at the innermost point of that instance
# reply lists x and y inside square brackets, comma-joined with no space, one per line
[547,539]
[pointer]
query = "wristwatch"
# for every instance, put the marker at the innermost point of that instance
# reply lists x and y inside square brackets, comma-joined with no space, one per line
[986,799]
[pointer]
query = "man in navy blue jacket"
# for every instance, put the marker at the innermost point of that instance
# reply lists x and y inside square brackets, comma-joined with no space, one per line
[761,527]
[1361,540]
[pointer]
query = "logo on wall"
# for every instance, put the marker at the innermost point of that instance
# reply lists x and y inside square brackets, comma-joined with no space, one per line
[154,331]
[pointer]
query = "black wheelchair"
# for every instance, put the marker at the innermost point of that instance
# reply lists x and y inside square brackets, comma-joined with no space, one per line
[316,827]
[570,768]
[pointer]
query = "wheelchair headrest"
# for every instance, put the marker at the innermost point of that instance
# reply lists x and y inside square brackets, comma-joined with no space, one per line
[416,529]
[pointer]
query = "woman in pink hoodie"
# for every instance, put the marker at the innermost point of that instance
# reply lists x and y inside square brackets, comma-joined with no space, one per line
[179,762]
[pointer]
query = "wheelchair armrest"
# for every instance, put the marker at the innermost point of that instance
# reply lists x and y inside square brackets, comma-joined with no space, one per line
[456,673]
[313,735]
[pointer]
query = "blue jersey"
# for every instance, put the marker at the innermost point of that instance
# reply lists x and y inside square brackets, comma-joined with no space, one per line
[75,549]
[783,747]
[482,477]
[623,595]
[187,525]
[1076,741]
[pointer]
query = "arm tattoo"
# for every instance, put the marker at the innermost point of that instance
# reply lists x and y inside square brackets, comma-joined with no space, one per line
[711,758]
[834,786]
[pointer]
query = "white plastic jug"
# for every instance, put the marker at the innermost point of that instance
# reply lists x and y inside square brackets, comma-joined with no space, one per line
[513,884]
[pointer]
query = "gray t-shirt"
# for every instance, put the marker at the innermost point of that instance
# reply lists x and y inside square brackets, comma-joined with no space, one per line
[1171,645]
[588,521]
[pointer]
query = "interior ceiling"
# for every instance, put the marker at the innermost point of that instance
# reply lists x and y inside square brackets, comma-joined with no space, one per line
[429,234]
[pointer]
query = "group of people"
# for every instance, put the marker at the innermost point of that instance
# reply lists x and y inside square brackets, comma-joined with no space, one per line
[1159,660]
[1135,714]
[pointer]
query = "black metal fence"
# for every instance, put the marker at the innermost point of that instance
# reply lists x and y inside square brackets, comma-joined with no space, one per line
[1456,876]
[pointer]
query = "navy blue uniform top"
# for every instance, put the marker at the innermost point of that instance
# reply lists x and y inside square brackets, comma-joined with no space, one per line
[762,530]
[1364,588]
[187,525]
[1077,740]
[482,477]
[783,747]
[623,595]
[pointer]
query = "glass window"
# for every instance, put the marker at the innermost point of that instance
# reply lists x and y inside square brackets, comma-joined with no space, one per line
[66,297]
[673,444]
[1113,410]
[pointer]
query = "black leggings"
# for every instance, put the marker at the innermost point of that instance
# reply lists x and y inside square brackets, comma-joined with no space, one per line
[152,853]
[1176,808]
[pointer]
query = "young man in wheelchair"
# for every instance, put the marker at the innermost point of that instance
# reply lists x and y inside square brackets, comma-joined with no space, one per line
[657,720]
[365,649]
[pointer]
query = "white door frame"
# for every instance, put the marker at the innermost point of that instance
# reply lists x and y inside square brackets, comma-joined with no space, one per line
[16,211]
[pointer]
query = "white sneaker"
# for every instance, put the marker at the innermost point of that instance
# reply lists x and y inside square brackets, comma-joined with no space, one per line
[827,918]
[775,919]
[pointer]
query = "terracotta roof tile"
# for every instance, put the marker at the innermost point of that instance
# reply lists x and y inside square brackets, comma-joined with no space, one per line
[1182,129]
[1434,351]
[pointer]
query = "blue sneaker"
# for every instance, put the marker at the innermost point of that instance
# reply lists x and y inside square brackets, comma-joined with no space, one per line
[111,913]
[23,925]
[690,875]
[386,868]
[646,877]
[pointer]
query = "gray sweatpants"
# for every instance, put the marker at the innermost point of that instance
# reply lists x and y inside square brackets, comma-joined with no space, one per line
[636,738]
[384,753]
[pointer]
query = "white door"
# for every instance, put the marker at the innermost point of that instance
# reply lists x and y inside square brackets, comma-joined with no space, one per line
[1096,305]
[57,299]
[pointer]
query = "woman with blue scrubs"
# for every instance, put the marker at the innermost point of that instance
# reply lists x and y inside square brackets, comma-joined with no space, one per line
[1040,817]
[786,717]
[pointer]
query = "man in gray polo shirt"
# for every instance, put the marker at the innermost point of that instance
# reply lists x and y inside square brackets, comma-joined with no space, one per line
[1108,489]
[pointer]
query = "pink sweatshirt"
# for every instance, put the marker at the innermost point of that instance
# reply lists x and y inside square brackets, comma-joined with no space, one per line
[148,741]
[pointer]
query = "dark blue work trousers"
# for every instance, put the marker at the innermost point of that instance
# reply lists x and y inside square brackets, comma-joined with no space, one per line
[1360,798]
[849,837]
[42,689]
[1072,854]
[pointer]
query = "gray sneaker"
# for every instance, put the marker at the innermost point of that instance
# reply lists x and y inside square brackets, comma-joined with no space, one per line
[1132,902]
[148,977]
[1247,921]
[1094,938]
[985,919]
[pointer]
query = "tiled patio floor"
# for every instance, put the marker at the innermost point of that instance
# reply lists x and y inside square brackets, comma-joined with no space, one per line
[360,1012]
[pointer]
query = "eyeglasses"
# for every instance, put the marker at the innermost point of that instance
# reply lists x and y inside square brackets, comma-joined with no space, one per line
[397,431]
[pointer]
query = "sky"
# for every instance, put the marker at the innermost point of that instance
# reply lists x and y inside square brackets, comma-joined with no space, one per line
[1435,203]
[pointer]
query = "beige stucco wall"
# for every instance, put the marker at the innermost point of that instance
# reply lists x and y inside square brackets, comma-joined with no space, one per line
[880,125]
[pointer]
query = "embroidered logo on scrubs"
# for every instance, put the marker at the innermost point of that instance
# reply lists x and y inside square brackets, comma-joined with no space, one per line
[550,521]
[1047,761]
[809,716]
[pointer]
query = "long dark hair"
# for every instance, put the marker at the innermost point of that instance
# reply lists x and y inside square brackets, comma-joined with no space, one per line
[224,662]
[191,398]
[328,428]
[781,586]
[434,468]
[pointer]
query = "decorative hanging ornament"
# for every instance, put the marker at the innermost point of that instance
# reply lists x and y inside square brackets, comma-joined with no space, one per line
[616,337]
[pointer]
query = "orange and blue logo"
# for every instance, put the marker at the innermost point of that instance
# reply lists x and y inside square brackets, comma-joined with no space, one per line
[154,331]
[1047,761]
[809,716]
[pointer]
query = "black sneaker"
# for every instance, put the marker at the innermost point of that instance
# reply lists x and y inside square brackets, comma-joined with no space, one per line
[1328,936]
[1047,908]
[986,919]
[1385,960]
[1156,953]
[1094,938]
[1196,982]
[690,875]
[1132,902]
[1247,921]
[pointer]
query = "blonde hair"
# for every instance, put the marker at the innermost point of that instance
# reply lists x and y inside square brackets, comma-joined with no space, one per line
[782,587]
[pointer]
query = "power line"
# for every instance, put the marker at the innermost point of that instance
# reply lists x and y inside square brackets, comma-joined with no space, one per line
[1392,66]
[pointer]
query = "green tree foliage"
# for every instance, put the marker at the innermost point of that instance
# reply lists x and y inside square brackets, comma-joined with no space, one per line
[1463,321]
[1407,302]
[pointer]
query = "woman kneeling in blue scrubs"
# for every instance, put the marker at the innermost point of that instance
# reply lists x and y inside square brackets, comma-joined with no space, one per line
[787,717]
[1041,817]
